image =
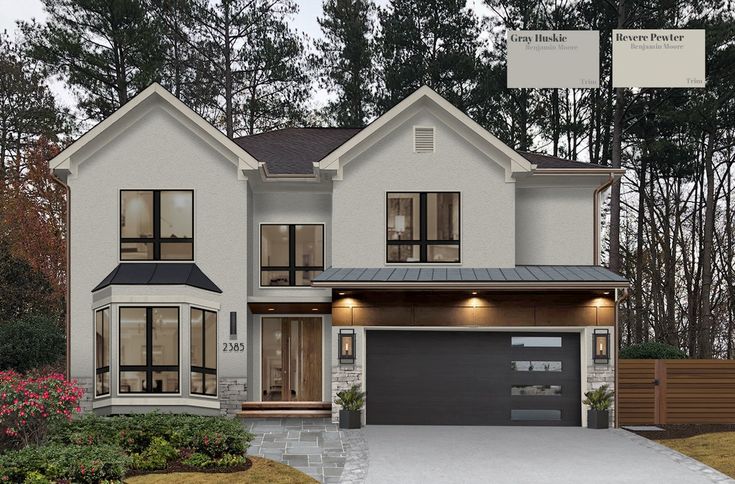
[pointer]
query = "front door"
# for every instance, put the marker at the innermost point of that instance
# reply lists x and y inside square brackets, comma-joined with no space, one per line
[292,359]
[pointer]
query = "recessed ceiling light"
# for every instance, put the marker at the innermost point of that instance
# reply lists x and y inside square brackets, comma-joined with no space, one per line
[271,309]
[341,293]
[315,309]
[474,293]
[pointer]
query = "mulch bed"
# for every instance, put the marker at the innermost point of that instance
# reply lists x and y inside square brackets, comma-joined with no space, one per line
[177,466]
[682,431]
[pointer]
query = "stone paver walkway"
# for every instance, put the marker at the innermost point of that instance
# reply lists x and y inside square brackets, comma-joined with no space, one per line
[314,446]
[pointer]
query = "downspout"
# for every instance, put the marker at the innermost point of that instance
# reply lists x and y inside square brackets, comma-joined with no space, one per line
[67,301]
[618,301]
[596,225]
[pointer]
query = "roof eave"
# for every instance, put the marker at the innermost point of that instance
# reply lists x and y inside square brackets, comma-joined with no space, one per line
[616,172]
[499,285]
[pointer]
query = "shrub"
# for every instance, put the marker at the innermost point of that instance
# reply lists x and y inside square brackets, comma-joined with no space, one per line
[156,456]
[652,350]
[29,342]
[198,459]
[74,463]
[600,398]
[352,399]
[213,436]
[28,405]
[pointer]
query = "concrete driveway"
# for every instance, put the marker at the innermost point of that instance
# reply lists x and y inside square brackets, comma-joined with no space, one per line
[429,454]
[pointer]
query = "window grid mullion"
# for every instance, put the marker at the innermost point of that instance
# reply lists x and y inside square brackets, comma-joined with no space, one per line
[422,227]
[292,255]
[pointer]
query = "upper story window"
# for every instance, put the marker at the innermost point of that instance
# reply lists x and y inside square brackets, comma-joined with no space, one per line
[423,227]
[156,225]
[290,255]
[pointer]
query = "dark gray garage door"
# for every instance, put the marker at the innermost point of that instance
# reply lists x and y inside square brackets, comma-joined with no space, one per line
[472,378]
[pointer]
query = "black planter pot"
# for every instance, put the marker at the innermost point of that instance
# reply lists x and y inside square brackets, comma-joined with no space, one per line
[350,419]
[598,419]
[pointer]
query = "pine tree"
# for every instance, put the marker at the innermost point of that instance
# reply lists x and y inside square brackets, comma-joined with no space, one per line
[345,59]
[106,50]
[426,42]
[248,64]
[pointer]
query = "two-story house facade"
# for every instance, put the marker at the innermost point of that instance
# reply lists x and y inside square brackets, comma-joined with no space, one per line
[453,278]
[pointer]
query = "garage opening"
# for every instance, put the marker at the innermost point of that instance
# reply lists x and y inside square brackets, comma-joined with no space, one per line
[472,378]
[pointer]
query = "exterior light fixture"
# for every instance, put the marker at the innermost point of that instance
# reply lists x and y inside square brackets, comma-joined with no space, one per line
[601,346]
[474,293]
[341,293]
[346,349]
[271,309]
[315,309]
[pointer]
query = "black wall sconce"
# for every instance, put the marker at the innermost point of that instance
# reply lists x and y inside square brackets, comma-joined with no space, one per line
[601,346]
[346,346]
[233,323]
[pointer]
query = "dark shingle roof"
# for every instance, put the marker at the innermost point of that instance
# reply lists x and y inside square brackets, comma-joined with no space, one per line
[151,273]
[565,274]
[548,161]
[292,151]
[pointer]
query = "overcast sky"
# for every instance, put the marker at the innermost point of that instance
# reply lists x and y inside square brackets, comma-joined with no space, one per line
[305,21]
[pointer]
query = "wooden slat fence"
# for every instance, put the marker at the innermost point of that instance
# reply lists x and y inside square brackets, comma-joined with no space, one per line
[676,391]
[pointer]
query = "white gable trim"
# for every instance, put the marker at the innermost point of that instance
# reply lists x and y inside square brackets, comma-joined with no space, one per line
[64,160]
[518,164]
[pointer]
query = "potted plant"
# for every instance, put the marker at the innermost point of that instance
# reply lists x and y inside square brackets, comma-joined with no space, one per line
[351,402]
[599,400]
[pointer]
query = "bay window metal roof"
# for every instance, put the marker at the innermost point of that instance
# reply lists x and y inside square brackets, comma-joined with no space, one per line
[561,276]
[157,274]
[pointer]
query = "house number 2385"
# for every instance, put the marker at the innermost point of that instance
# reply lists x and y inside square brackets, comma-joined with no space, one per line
[229,346]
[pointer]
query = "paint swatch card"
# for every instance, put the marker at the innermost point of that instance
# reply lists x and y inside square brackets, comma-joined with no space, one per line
[658,58]
[553,59]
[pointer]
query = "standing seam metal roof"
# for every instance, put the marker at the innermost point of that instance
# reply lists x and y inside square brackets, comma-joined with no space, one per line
[522,274]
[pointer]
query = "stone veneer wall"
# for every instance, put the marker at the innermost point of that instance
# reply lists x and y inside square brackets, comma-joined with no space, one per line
[343,377]
[87,384]
[598,375]
[232,392]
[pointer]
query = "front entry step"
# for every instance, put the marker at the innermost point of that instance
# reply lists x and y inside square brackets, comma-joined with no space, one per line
[286,410]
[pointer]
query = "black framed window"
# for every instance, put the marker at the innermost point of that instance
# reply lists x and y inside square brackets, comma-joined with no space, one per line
[422,227]
[149,350]
[102,351]
[203,352]
[156,225]
[291,255]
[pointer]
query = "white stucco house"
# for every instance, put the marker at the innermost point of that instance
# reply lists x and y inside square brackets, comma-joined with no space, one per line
[455,279]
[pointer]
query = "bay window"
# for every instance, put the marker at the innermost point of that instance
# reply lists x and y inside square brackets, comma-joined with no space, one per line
[290,255]
[149,350]
[156,225]
[102,352]
[203,352]
[422,227]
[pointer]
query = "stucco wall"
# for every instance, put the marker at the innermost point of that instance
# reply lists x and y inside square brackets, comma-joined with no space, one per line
[157,151]
[487,202]
[289,203]
[554,224]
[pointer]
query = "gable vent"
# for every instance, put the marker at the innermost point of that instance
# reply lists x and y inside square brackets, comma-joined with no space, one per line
[423,140]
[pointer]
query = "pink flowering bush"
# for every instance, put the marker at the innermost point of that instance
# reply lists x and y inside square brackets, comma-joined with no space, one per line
[28,404]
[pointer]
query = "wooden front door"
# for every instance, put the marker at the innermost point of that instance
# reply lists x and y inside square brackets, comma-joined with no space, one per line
[292,359]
